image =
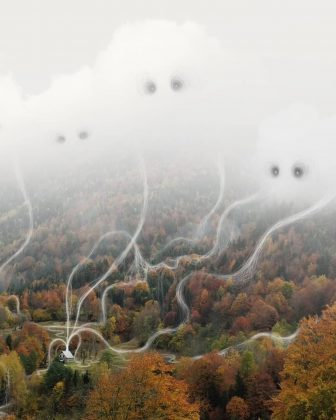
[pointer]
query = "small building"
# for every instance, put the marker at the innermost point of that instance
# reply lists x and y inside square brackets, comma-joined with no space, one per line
[66,357]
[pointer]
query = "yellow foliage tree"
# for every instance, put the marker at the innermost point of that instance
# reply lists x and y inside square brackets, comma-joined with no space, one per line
[11,367]
[308,387]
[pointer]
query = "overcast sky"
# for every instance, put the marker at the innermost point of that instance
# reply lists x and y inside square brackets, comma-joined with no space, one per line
[41,38]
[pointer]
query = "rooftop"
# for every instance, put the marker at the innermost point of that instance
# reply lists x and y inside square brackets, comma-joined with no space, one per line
[67,354]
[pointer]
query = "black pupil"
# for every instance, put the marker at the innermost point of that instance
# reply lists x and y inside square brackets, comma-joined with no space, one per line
[60,139]
[275,171]
[298,172]
[83,135]
[150,87]
[176,84]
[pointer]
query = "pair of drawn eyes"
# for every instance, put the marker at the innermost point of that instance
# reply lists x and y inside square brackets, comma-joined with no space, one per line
[82,135]
[176,85]
[298,171]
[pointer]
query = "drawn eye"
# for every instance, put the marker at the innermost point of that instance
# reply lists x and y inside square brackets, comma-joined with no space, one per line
[61,139]
[275,170]
[176,84]
[298,171]
[83,135]
[150,87]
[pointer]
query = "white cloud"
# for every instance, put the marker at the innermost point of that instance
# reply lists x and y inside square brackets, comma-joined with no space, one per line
[296,152]
[159,84]
[10,100]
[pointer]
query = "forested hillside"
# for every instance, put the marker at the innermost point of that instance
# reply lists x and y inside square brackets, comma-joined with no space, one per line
[206,363]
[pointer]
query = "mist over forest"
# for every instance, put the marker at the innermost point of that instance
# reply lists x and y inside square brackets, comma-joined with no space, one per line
[167,206]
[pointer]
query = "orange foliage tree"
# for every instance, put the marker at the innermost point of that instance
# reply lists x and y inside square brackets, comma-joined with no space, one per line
[237,409]
[145,389]
[308,387]
[210,379]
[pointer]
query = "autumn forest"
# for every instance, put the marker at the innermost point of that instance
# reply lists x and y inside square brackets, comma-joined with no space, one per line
[260,348]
